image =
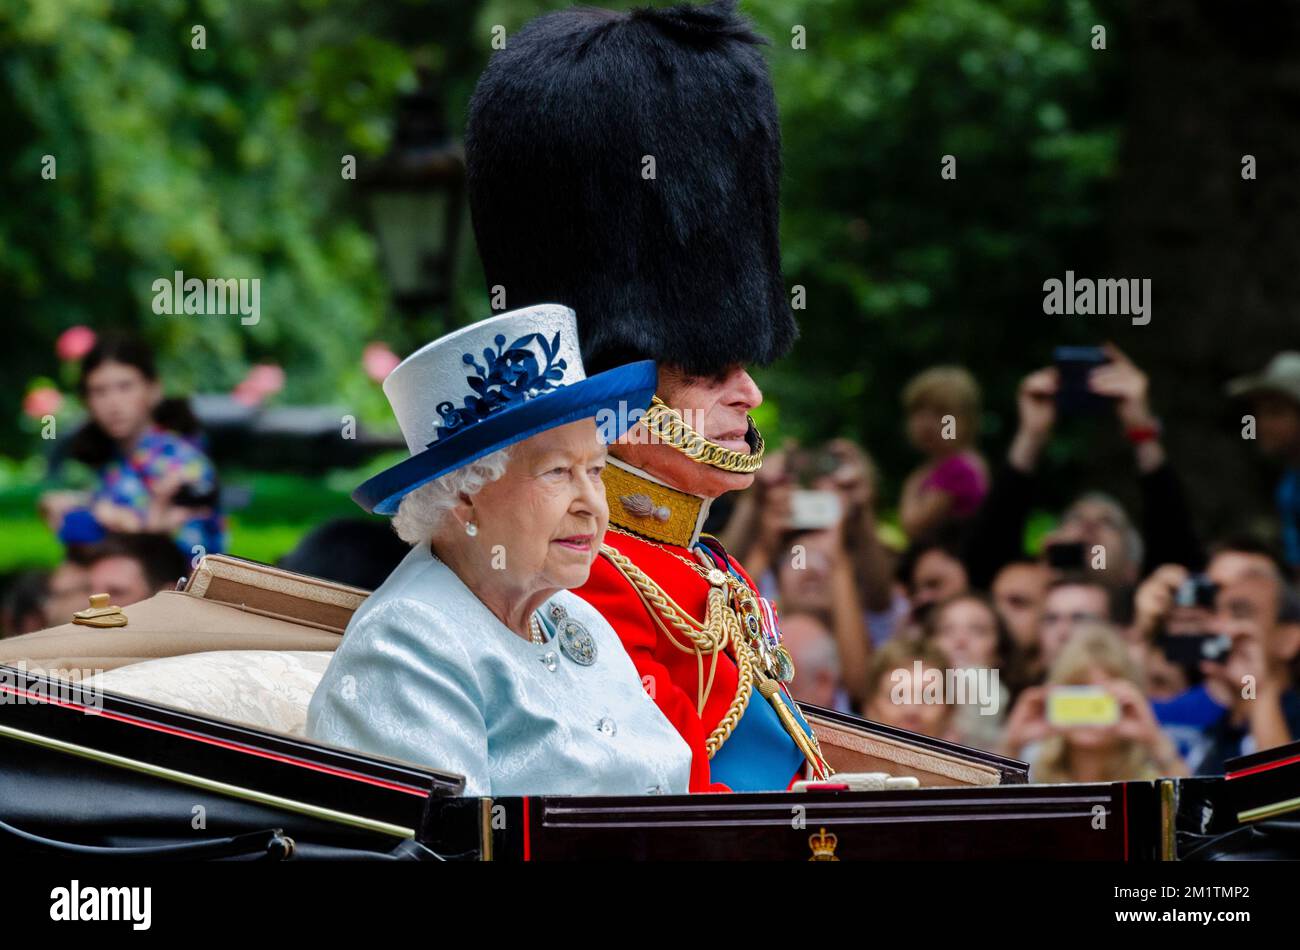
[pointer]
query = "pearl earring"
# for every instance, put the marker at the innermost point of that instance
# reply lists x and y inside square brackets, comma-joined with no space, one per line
[471,528]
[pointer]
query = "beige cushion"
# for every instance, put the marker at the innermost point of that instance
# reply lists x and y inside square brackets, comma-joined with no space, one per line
[166,625]
[269,689]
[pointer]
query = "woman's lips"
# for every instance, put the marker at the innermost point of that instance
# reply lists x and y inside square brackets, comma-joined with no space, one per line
[576,542]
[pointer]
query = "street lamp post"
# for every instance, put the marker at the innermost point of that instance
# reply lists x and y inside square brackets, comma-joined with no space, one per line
[414,194]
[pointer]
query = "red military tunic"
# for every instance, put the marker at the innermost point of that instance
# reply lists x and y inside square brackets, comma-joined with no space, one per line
[655,527]
[670,675]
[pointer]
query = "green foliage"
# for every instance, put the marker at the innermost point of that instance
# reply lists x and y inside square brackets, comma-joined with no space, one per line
[225,161]
[219,162]
[904,269]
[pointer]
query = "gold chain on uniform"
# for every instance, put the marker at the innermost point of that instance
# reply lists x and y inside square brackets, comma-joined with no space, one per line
[668,426]
[720,627]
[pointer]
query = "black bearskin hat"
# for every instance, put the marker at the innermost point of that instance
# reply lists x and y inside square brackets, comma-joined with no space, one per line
[683,267]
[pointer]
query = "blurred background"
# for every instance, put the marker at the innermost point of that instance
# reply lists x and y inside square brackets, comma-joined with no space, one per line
[230,160]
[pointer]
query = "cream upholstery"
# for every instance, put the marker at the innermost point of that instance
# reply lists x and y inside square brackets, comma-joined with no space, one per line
[269,689]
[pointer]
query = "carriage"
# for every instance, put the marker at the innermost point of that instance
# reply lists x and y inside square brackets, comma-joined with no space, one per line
[174,729]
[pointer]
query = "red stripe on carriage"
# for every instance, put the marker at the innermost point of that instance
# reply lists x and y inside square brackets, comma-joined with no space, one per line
[221,743]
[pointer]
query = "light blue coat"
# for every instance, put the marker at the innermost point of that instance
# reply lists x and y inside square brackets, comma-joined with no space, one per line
[427,674]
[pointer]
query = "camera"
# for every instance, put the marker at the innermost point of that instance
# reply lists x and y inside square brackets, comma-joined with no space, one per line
[1196,591]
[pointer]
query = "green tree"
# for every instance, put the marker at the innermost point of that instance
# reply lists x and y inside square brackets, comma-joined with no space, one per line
[206,137]
[902,267]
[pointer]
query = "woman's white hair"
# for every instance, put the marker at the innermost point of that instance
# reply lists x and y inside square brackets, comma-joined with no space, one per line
[421,513]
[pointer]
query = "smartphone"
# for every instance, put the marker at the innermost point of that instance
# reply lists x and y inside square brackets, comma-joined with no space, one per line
[1189,649]
[814,510]
[1073,364]
[1197,591]
[1066,556]
[1082,706]
[188,496]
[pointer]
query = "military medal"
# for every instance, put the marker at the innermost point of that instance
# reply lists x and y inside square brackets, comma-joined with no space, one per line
[757,618]
[575,641]
[746,609]
[783,663]
[758,621]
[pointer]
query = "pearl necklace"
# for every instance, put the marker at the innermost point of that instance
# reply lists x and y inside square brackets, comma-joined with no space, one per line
[535,627]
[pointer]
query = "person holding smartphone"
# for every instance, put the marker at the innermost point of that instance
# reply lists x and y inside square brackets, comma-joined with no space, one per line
[1090,721]
[807,547]
[1205,639]
[840,491]
[1165,534]
[1253,680]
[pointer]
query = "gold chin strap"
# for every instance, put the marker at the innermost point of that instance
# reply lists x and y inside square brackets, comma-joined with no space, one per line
[668,427]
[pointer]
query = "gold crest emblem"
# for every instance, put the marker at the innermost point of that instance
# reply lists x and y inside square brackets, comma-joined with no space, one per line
[823,846]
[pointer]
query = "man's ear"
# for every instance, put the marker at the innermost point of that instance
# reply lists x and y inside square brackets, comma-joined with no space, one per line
[671,379]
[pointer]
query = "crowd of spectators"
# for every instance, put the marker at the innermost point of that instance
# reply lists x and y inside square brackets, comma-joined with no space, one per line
[1117,645]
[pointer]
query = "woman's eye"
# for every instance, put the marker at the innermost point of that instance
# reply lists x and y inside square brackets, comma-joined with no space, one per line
[596,470]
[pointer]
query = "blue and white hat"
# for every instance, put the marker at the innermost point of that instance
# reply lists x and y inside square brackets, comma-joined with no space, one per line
[495,383]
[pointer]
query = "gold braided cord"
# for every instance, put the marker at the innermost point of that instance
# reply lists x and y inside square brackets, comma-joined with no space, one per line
[703,687]
[719,635]
[696,566]
[744,689]
[720,627]
[668,426]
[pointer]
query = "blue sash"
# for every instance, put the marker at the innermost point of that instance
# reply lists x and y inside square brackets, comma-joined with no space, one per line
[759,756]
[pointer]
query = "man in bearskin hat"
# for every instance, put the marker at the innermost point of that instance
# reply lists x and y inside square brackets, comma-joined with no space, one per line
[628,166]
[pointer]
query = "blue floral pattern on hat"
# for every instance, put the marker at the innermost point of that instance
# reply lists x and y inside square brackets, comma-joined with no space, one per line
[508,376]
